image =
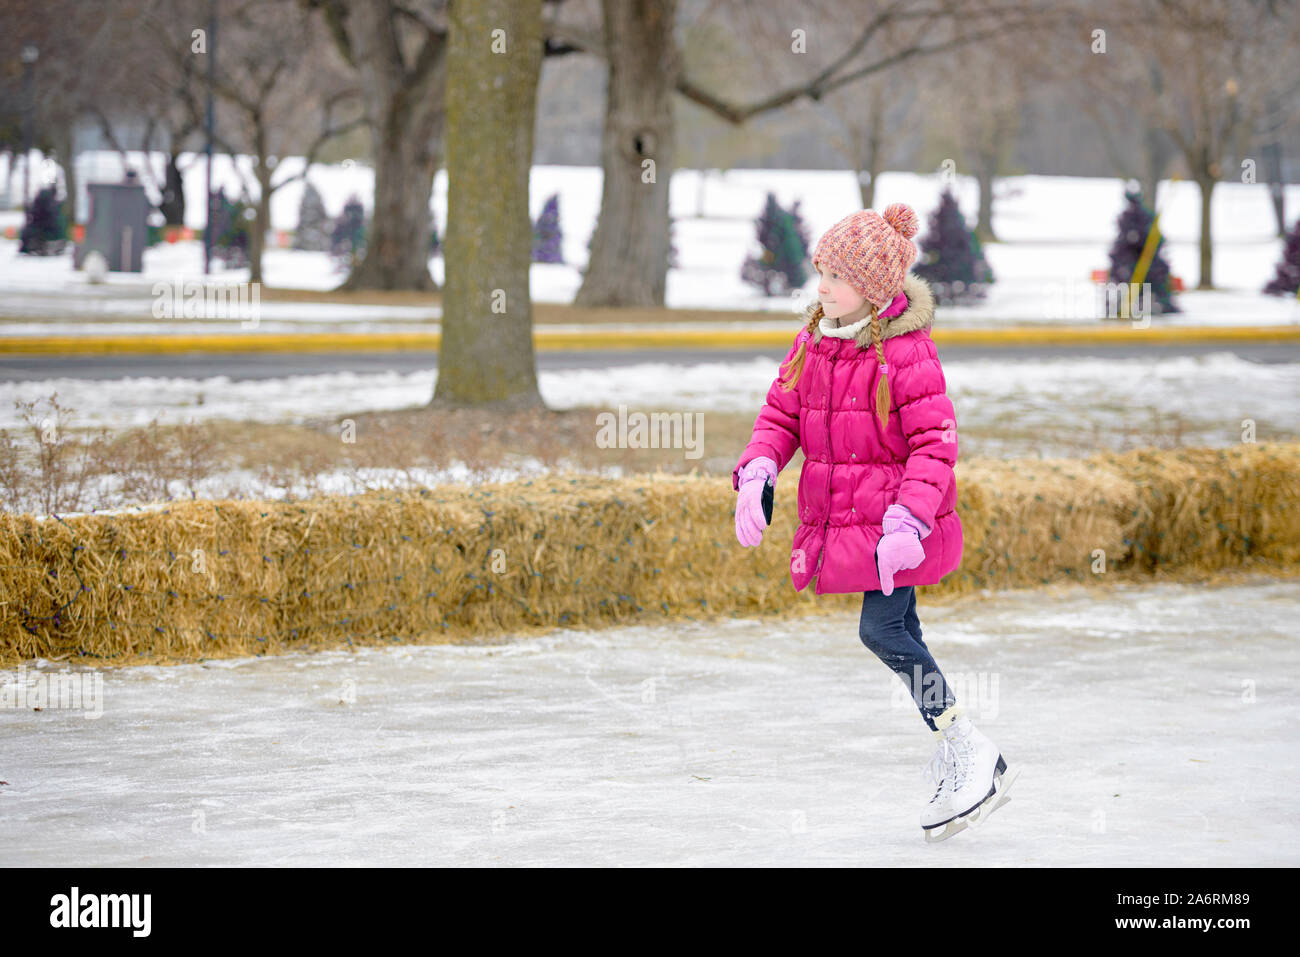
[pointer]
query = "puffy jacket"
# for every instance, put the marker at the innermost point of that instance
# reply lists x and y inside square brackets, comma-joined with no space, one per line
[854,470]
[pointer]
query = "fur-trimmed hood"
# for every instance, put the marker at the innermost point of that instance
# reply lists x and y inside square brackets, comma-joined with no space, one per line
[919,314]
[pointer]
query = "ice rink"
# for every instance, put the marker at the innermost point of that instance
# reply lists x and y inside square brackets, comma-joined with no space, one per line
[1155,725]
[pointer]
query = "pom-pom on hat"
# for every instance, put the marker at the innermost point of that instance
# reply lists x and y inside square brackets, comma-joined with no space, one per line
[871,251]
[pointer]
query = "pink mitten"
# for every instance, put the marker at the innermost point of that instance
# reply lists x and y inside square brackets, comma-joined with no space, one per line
[749,503]
[900,545]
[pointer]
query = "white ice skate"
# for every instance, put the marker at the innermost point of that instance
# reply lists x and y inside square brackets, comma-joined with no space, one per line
[973,780]
[938,810]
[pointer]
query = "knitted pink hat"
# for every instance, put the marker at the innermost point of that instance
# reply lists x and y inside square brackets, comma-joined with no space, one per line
[871,251]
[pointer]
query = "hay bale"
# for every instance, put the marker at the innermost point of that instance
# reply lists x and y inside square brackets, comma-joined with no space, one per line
[1040,520]
[210,579]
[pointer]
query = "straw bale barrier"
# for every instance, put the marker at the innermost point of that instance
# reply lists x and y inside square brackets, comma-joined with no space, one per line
[189,580]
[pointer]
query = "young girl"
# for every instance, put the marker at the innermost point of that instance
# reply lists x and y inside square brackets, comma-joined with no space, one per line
[863,394]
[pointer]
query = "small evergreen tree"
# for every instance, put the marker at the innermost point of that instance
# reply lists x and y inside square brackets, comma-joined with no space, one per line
[314,226]
[348,239]
[1286,282]
[1134,225]
[951,258]
[547,236]
[172,205]
[46,231]
[230,231]
[153,229]
[783,237]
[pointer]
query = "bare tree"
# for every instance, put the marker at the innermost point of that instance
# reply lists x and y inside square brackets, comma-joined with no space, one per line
[639,118]
[1213,76]
[398,51]
[712,52]
[67,37]
[494,57]
[273,72]
[139,84]
[866,121]
[629,250]
[169,86]
[974,124]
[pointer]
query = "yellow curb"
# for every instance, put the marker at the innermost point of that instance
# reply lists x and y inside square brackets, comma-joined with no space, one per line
[1114,335]
[605,339]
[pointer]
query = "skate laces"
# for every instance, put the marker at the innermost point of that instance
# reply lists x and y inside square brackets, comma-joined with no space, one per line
[963,749]
[944,759]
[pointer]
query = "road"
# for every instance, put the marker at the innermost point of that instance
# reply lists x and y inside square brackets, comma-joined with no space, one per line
[263,365]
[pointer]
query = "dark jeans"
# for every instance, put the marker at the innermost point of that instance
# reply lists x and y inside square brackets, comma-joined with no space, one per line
[889,627]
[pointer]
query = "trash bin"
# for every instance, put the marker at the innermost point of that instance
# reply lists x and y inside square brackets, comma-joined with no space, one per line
[118,226]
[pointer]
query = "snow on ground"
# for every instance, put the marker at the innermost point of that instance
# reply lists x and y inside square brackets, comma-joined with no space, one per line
[294,323]
[1041,399]
[138,304]
[1054,231]
[736,742]
[250,485]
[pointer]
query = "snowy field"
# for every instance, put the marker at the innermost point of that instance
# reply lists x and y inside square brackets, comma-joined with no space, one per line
[1054,232]
[1154,725]
[1019,408]
[1042,397]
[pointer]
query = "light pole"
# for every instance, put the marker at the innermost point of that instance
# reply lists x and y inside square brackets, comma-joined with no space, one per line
[211,121]
[29,56]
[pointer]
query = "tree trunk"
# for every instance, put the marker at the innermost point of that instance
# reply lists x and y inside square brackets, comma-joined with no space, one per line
[873,139]
[1156,155]
[1150,181]
[1206,184]
[1276,185]
[867,187]
[629,251]
[991,149]
[985,173]
[261,221]
[405,105]
[398,240]
[486,356]
[63,149]
[1277,194]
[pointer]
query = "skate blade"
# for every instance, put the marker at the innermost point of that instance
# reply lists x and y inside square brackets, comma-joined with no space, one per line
[942,832]
[1001,785]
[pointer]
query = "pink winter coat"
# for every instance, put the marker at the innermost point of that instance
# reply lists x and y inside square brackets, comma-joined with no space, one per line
[853,470]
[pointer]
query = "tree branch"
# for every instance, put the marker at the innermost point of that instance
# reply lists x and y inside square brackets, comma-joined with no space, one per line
[324,137]
[335,13]
[821,84]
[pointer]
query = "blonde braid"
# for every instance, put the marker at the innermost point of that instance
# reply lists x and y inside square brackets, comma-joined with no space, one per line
[795,368]
[882,386]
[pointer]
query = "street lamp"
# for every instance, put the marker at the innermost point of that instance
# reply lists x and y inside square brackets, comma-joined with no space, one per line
[29,56]
[210,125]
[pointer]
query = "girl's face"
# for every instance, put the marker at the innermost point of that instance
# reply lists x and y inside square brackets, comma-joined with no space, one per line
[838,298]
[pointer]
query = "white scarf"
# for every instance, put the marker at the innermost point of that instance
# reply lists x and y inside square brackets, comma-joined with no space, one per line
[842,332]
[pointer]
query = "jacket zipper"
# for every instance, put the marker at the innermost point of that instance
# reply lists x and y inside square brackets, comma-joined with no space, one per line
[830,451]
